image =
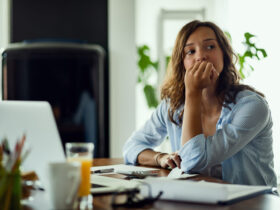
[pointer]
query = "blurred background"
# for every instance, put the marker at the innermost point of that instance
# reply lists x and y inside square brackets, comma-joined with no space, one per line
[118,28]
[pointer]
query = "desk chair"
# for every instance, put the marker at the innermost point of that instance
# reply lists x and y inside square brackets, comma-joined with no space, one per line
[70,76]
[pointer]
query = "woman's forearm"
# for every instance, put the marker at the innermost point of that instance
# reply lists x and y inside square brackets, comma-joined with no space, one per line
[148,158]
[151,158]
[192,124]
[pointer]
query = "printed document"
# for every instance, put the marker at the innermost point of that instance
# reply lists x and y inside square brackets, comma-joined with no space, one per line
[201,192]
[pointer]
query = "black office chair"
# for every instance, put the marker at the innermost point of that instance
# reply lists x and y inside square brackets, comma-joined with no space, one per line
[68,75]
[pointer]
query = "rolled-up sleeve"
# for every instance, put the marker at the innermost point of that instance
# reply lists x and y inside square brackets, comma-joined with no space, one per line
[247,120]
[148,137]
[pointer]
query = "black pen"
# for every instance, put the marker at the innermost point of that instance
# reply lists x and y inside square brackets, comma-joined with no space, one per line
[107,170]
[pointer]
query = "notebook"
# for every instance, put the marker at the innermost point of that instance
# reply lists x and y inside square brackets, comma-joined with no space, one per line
[36,120]
[201,192]
[104,184]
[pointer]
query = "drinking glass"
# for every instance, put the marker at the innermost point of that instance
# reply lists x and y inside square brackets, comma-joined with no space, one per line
[83,153]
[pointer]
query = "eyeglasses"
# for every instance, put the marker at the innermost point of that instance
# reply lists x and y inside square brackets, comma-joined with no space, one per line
[133,198]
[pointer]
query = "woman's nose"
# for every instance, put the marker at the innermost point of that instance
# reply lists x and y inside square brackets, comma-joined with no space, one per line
[201,56]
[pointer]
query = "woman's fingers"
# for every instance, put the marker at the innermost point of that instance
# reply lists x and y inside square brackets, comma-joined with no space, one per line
[201,69]
[215,74]
[170,162]
[177,160]
[195,67]
[193,75]
[207,72]
[202,75]
[173,160]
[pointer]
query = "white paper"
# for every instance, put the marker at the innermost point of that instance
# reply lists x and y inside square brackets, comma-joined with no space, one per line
[122,167]
[201,192]
[177,173]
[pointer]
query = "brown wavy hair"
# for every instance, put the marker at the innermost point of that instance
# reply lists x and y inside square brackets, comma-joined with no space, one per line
[173,88]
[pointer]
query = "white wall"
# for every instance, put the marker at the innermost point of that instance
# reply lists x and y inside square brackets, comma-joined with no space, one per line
[262,20]
[4,31]
[4,23]
[122,65]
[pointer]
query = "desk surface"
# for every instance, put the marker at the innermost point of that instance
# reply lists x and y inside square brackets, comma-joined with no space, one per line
[264,202]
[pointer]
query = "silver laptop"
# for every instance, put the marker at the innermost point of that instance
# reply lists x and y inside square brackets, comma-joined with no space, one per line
[36,120]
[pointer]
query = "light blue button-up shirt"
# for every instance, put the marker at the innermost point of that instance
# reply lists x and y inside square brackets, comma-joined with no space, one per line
[242,143]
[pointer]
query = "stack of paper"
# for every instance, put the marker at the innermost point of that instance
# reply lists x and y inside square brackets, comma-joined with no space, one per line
[202,192]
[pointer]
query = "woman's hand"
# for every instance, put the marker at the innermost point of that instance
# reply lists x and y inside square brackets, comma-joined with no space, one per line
[201,75]
[169,160]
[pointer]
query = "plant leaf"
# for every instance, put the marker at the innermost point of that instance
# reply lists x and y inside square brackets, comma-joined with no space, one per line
[248,54]
[150,94]
[144,62]
[251,67]
[262,51]
[155,65]
[241,73]
[248,35]
[167,59]
[139,80]
[228,35]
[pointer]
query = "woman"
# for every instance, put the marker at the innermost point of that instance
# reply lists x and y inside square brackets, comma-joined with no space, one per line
[209,117]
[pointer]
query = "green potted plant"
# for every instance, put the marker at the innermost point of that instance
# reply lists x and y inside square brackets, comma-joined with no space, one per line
[146,68]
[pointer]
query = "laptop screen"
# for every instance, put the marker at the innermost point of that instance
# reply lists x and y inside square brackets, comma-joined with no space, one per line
[36,121]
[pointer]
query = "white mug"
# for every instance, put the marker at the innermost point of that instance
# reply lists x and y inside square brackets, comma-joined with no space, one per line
[65,178]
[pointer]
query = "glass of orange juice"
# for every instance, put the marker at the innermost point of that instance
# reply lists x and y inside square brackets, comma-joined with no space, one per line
[83,153]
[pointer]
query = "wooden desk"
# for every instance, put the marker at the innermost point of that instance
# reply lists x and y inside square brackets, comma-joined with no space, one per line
[262,202]
[265,202]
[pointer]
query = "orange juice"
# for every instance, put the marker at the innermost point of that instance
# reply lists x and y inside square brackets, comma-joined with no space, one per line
[85,175]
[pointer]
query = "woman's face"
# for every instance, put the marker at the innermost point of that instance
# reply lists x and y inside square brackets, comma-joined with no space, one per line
[202,45]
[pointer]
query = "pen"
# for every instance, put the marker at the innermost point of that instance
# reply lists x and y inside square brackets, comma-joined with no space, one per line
[107,170]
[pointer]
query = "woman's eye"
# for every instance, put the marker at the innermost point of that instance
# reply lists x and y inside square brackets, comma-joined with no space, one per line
[210,47]
[189,52]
